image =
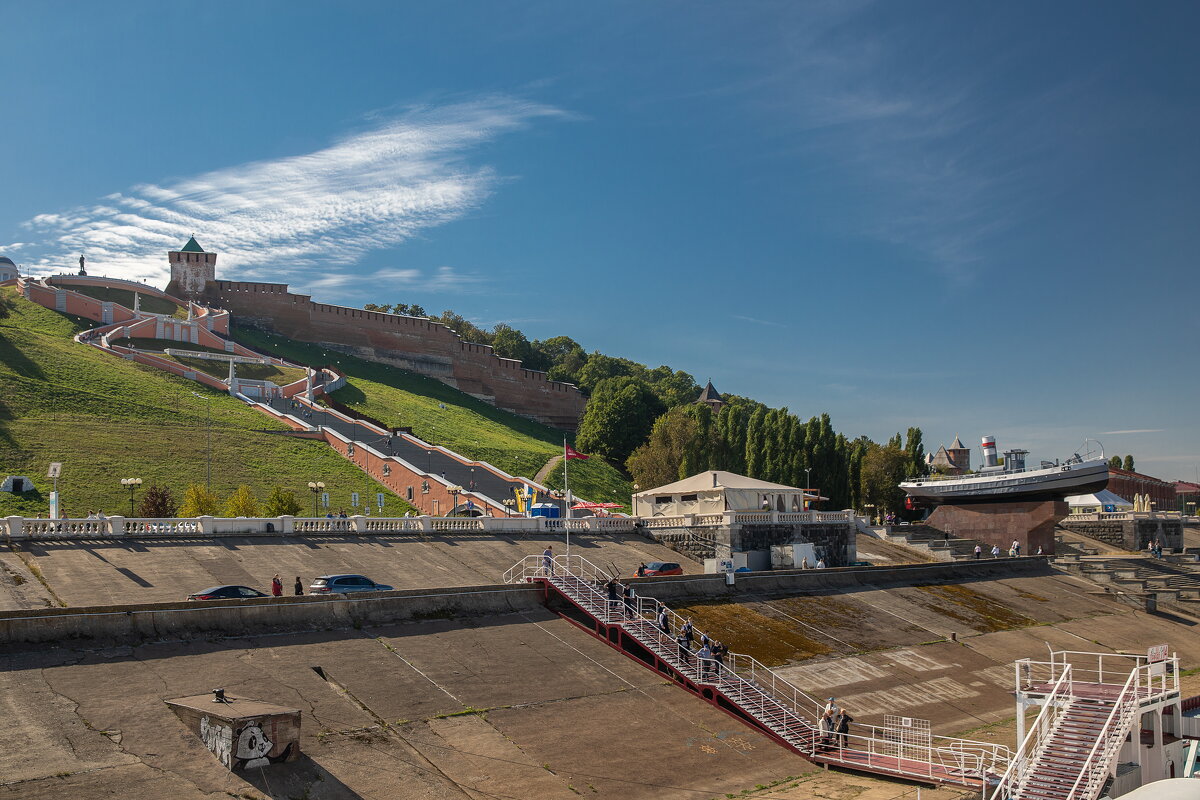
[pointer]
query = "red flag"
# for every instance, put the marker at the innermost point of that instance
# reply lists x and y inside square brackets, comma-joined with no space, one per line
[571,452]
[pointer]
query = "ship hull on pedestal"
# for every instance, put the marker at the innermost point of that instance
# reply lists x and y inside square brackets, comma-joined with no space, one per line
[1049,483]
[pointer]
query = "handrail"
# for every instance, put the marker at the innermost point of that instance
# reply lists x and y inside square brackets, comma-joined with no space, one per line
[776,703]
[1041,728]
[1123,705]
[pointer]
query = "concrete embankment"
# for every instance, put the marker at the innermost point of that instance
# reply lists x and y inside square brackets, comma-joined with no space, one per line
[843,579]
[146,622]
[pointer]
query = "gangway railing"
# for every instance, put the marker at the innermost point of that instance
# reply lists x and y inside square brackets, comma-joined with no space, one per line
[779,707]
[1036,739]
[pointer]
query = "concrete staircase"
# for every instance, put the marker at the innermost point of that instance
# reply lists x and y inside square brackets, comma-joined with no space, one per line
[934,543]
[1173,581]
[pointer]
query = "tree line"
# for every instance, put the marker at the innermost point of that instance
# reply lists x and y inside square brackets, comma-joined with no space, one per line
[159,502]
[646,422]
[1117,463]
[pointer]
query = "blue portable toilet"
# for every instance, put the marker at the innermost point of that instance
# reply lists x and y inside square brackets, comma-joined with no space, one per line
[548,510]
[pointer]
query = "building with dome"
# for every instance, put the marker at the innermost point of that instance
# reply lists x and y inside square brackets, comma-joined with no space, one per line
[8,270]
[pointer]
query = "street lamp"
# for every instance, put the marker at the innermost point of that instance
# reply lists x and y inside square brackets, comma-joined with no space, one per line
[807,484]
[208,429]
[316,487]
[131,484]
[454,490]
[509,504]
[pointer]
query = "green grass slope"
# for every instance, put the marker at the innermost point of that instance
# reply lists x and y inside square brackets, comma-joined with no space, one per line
[106,418]
[443,415]
[149,302]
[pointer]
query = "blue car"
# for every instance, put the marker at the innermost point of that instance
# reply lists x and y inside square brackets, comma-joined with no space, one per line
[344,584]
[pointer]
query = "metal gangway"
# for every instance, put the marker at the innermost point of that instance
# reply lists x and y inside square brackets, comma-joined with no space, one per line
[1091,704]
[741,686]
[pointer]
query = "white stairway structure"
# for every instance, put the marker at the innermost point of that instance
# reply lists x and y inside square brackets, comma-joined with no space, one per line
[744,688]
[1095,708]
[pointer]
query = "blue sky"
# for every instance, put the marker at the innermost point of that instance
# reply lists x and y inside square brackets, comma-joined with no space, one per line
[978,219]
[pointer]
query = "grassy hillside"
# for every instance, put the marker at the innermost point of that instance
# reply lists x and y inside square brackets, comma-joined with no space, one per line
[149,302]
[443,415]
[106,419]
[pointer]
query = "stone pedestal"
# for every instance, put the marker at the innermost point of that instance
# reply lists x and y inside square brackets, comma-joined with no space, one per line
[1029,522]
[242,734]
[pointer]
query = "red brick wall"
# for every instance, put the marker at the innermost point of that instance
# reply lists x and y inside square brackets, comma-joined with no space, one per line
[1126,484]
[421,345]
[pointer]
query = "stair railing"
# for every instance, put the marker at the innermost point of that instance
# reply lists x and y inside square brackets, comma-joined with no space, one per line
[1094,771]
[1039,733]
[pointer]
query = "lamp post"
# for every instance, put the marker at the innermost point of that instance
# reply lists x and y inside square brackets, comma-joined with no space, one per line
[131,484]
[316,487]
[208,431]
[807,484]
[454,491]
[509,503]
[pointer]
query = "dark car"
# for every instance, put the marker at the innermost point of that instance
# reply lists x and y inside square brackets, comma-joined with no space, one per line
[657,569]
[226,593]
[328,584]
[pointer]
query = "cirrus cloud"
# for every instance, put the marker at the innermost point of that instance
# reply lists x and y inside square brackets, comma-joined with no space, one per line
[301,217]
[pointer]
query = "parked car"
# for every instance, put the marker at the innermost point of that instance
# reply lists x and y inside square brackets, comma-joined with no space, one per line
[657,569]
[327,584]
[226,593]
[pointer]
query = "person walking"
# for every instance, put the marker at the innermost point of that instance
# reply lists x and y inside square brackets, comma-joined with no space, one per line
[687,631]
[276,586]
[978,551]
[995,551]
[664,621]
[630,597]
[611,588]
[299,587]
[641,571]
[705,656]
[548,560]
[685,650]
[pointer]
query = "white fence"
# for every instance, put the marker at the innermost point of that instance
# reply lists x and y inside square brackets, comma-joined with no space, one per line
[20,528]
[1121,516]
[748,518]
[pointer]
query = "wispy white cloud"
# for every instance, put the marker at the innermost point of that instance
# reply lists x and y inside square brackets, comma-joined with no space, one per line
[1132,430]
[757,321]
[301,218]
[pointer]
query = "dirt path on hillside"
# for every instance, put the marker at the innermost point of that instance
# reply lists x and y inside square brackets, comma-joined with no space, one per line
[545,471]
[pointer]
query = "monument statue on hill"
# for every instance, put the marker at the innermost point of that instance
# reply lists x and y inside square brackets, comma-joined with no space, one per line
[82,271]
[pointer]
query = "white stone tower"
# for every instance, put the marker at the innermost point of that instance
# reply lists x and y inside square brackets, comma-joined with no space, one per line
[191,269]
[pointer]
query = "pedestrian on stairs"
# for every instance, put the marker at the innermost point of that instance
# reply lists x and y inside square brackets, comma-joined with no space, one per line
[548,560]
[276,586]
[687,631]
[995,551]
[299,587]
[611,587]
[664,621]
[629,596]
[705,656]
[978,551]
[685,651]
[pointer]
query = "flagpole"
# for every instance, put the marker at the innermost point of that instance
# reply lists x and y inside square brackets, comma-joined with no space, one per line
[567,500]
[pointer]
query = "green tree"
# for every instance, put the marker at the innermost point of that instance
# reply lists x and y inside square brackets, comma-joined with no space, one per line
[508,342]
[618,418]
[883,467]
[1127,464]
[157,502]
[915,449]
[1114,462]
[282,502]
[660,459]
[466,330]
[242,503]
[199,502]
[600,367]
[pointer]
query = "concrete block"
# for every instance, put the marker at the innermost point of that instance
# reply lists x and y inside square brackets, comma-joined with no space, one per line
[242,734]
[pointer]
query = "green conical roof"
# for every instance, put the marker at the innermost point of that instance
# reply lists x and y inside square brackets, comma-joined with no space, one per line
[192,246]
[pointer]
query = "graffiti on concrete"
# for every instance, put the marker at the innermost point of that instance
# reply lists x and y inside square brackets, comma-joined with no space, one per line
[218,739]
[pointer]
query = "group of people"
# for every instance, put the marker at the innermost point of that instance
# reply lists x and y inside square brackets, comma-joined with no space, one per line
[710,655]
[834,727]
[277,586]
[1014,550]
[805,565]
[1155,548]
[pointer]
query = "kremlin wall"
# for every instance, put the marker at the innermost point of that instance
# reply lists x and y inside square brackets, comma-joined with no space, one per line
[413,343]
